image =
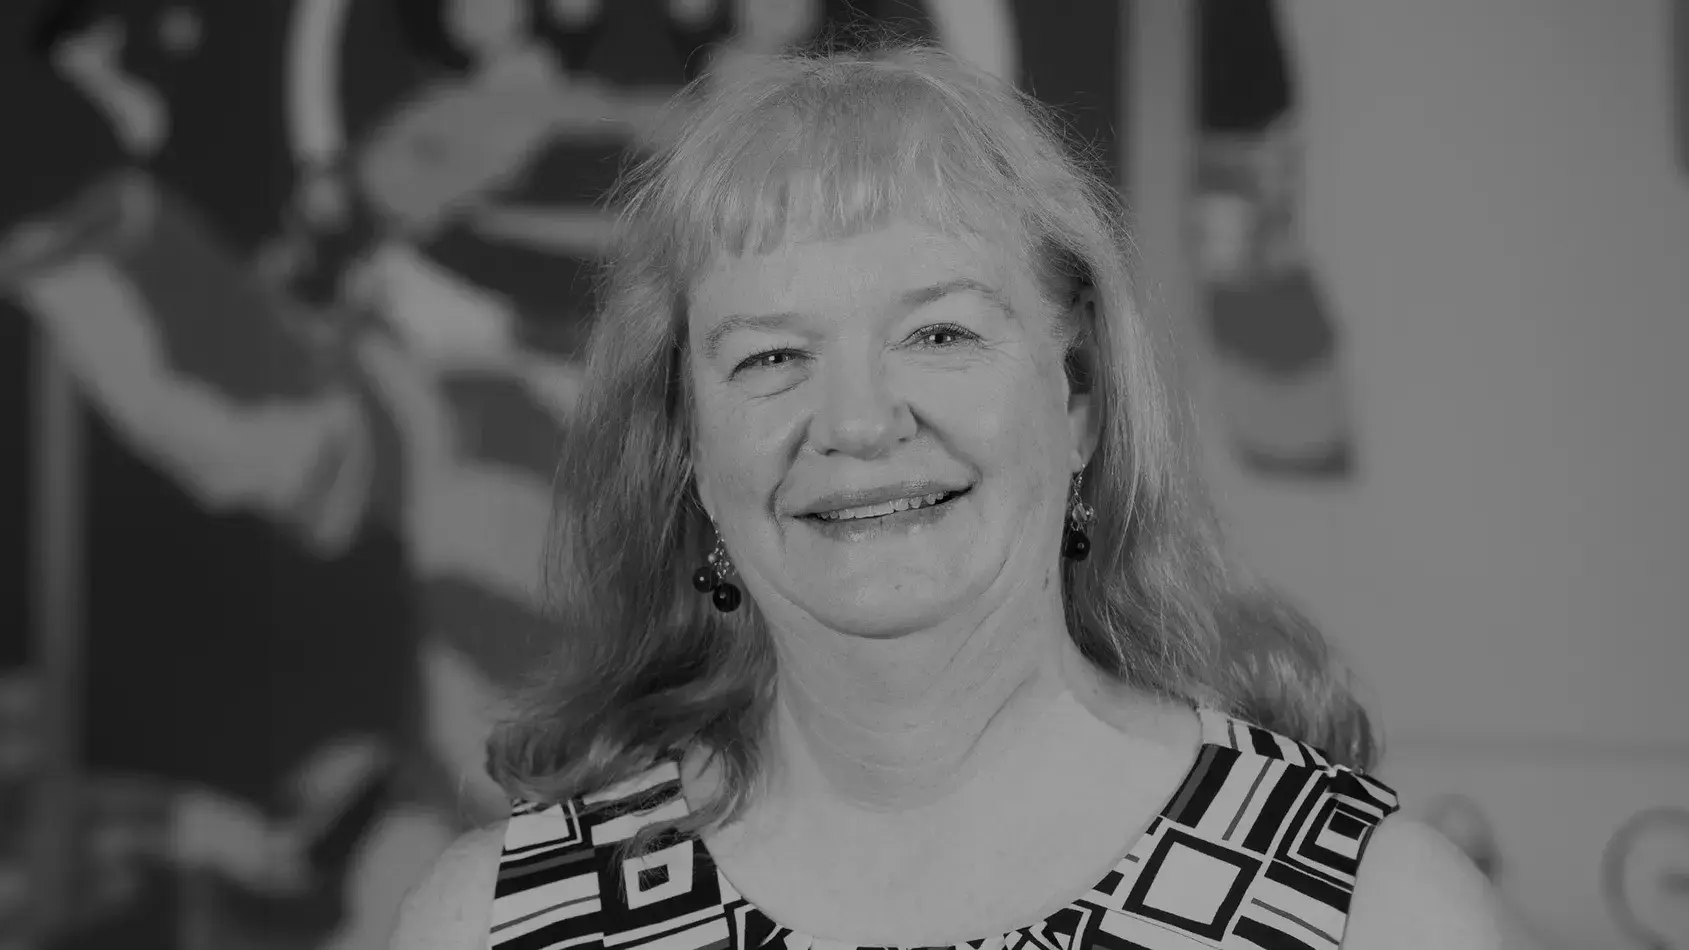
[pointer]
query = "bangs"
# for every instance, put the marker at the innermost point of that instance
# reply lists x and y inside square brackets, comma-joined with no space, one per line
[835,150]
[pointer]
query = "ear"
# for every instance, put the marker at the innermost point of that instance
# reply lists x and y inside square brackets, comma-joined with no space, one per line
[1084,414]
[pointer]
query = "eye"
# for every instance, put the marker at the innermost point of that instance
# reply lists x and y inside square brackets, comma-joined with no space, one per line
[945,335]
[767,359]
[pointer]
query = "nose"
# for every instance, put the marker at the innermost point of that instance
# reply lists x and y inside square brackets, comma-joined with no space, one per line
[861,414]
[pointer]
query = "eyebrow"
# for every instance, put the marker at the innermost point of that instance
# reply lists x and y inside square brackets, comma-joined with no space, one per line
[907,301]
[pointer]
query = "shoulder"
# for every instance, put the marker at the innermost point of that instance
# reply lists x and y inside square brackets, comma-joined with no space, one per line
[1415,889]
[511,874]
[451,907]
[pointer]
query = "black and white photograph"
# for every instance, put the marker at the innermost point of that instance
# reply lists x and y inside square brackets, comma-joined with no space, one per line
[837,474]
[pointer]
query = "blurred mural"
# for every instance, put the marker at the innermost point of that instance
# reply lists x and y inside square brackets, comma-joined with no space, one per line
[1645,878]
[1273,336]
[317,273]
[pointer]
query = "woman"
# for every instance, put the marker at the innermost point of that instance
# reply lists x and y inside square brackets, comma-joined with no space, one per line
[893,615]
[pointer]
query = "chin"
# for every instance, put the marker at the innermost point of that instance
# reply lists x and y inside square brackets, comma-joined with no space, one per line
[889,609]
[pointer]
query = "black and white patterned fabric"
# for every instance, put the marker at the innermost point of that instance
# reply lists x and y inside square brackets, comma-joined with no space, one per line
[1259,847]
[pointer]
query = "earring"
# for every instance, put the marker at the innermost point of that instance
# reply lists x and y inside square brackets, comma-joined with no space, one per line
[1075,543]
[712,579]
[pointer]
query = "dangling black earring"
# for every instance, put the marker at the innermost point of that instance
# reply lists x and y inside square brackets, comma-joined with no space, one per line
[1075,543]
[712,579]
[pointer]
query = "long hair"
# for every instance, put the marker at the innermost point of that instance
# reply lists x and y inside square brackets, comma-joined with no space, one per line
[829,146]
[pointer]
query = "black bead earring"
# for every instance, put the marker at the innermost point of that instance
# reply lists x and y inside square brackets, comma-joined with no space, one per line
[712,579]
[1075,543]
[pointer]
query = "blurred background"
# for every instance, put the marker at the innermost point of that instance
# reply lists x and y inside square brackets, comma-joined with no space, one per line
[291,299]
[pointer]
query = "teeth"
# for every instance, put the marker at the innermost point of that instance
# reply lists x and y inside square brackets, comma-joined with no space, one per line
[882,509]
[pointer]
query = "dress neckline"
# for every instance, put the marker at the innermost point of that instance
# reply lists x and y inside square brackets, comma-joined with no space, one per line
[1215,734]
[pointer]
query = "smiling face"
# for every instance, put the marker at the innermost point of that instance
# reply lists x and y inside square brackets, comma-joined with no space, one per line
[835,382]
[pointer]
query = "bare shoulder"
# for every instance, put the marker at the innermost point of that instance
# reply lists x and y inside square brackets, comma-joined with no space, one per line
[451,907]
[1417,890]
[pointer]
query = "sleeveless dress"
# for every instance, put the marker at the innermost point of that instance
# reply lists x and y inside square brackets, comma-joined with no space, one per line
[1258,847]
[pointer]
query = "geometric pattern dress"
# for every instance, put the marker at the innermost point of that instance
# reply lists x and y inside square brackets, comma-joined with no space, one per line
[1258,848]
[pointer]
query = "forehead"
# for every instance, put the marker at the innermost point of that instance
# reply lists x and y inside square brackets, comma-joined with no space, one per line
[832,275]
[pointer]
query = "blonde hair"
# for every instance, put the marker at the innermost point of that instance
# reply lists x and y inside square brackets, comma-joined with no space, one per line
[834,145]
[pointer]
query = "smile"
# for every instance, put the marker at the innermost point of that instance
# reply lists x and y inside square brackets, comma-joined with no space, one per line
[887,508]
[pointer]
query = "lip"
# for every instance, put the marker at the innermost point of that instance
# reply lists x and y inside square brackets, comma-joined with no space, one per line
[897,525]
[862,497]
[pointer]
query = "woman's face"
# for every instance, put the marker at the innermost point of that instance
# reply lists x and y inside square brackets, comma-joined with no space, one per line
[838,383]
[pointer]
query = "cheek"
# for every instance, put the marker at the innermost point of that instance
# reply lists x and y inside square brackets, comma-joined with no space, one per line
[1031,437]
[732,453]
[1018,410]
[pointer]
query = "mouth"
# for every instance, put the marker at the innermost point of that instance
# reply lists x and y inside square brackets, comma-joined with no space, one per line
[865,513]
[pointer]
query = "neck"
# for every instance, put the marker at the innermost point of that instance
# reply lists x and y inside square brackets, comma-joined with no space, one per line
[893,725]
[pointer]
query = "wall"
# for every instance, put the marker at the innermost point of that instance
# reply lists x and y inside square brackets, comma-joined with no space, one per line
[1497,208]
